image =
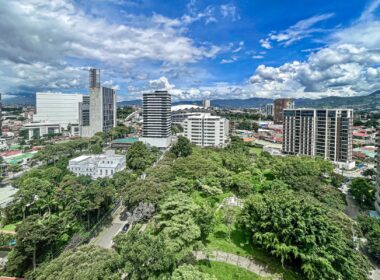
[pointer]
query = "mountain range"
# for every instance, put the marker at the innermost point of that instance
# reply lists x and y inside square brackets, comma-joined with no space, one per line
[367,102]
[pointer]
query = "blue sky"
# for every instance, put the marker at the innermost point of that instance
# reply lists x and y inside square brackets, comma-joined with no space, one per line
[193,48]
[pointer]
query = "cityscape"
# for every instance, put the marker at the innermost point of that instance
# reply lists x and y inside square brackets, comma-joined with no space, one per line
[189,140]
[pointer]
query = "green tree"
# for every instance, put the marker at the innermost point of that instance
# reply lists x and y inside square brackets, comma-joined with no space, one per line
[145,256]
[189,272]
[138,157]
[182,148]
[86,262]
[363,191]
[300,231]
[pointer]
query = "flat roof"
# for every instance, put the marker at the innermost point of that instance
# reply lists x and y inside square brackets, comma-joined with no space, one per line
[126,140]
[80,158]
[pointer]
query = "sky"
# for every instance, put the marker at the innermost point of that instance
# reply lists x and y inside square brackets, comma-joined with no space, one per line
[194,49]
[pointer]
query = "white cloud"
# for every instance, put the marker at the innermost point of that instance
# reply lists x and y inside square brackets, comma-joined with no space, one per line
[265,43]
[300,30]
[347,65]
[229,10]
[161,83]
[38,32]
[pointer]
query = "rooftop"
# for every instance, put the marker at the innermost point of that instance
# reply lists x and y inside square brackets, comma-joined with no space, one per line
[126,140]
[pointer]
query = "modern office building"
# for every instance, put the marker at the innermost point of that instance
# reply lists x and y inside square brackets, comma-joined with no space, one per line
[57,108]
[205,130]
[377,195]
[319,132]
[97,166]
[98,113]
[279,106]
[269,109]
[206,103]
[156,119]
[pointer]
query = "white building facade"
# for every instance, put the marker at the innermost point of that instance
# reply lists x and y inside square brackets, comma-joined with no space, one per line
[205,130]
[57,108]
[97,166]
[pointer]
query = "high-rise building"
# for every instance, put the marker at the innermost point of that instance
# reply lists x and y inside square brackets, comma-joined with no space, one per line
[58,108]
[100,109]
[279,106]
[156,119]
[269,109]
[205,130]
[319,132]
[206,103]
[377,195]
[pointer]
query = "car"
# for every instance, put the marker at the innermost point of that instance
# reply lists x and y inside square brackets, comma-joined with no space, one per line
[125,227]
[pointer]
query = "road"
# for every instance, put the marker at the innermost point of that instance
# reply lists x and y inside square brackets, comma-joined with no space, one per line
[105,237]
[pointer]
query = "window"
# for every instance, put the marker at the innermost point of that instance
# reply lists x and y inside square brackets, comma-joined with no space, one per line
[106,172]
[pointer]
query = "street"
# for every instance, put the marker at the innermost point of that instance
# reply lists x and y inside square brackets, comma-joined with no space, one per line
[105,237]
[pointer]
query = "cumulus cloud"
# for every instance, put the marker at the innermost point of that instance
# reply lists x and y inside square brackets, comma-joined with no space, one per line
[348,65]
[48,33]
[161,83]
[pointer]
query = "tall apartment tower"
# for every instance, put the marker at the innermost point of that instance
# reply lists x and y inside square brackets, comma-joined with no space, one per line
[205,130]
[99,115]
[279,106]
[206,103]
[269,109]
[157,119]
[319,132]
[377,195]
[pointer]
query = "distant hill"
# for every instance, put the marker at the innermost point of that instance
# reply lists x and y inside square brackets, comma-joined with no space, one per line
[363,102]
[368,102]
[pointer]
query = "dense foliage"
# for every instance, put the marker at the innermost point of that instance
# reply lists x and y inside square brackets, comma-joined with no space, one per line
[363,190]
[371,230]
[182,148]
[87,262]
[298,230]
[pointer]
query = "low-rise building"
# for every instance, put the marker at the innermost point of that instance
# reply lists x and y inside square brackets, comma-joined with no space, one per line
[205,130]
[97,166]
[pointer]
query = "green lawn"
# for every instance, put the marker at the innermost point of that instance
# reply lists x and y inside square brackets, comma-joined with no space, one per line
[10,227]
[218,240]
[255,150]
[224,271]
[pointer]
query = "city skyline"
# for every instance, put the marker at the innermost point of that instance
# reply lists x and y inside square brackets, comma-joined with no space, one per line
[193,49]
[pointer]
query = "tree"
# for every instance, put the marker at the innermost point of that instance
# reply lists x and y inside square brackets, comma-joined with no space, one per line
[177,224]
[371,173]
[299,230]
[86,262]
[138,157]
[363,191]
[144,255]
[371,230]
[189,272]
[182,148]
[229,216]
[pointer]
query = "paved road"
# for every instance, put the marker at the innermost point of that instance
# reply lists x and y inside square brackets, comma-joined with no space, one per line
[105,237]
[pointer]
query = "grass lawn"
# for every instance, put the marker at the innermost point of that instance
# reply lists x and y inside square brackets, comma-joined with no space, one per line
[10,227]
[239,245]
[224,271]
[255,150]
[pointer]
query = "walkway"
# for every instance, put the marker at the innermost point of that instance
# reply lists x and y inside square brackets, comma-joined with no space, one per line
[240,261]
